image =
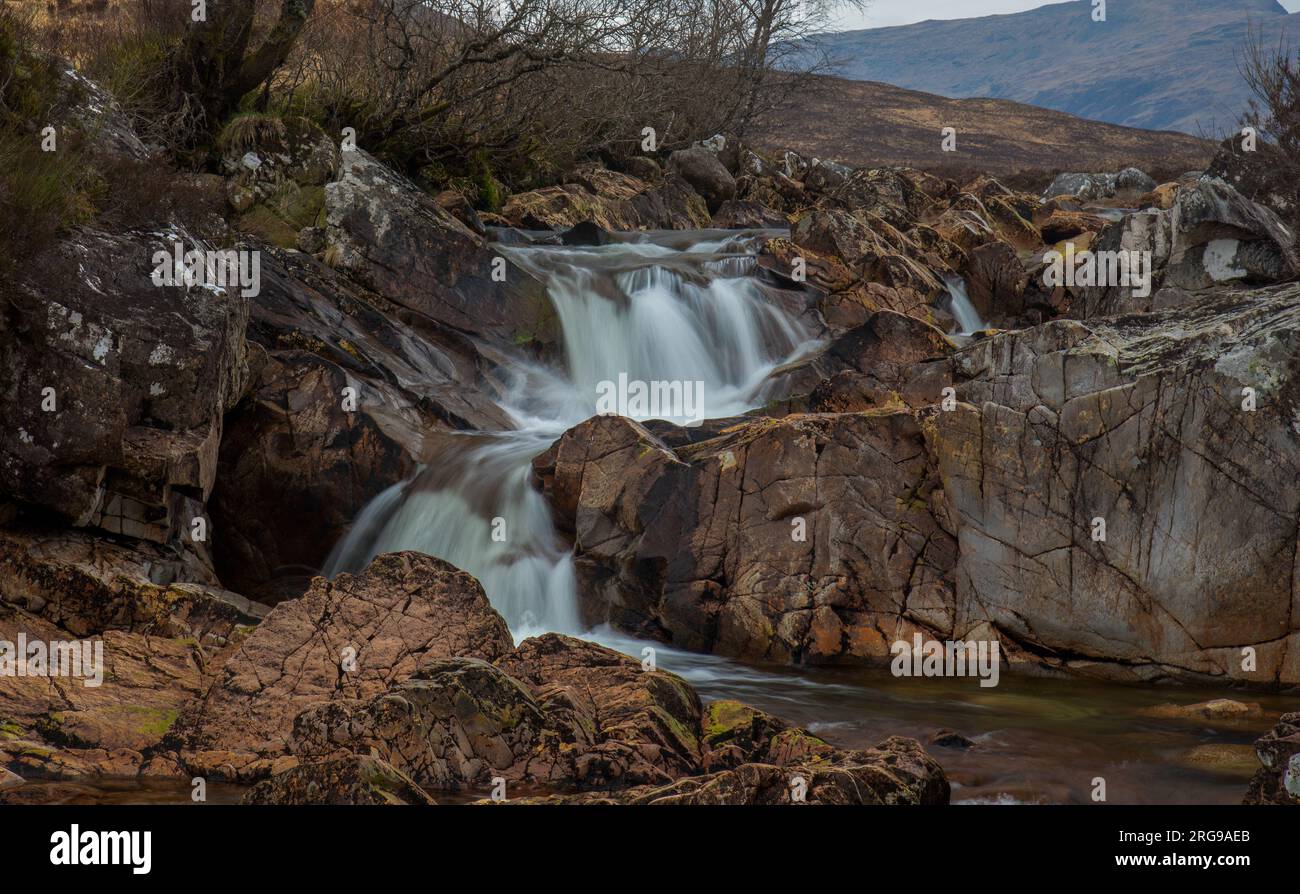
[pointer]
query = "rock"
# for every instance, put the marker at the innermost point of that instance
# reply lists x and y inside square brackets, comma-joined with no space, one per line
[88,585]
[824,176]
[1137,422]
[946,738]
[354,780]
[609,722]
[893,194]
[350,638]
[611,201]
[696,545]
[896,772]
[311,240]
[74,727]
[585,233]
[397,241]
[701,169]
[996,281]
[117,386]
[1091,187]
[302,445]
[642,168]
[892,358]
[1211,236]
[454,724]
[1217,710]
[1278,779]
[745,214]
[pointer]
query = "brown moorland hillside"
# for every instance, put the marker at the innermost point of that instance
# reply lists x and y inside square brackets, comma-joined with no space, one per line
[870,123]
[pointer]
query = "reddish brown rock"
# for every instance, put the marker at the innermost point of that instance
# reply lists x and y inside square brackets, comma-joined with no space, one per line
[350,638]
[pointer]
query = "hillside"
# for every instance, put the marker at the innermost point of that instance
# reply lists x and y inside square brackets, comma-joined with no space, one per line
[1176,56]
[859,123]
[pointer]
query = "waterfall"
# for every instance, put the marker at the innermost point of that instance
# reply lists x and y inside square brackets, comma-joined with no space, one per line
[663,308]
[968,319]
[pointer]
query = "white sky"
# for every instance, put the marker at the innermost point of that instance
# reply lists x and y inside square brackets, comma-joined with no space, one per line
[902,12]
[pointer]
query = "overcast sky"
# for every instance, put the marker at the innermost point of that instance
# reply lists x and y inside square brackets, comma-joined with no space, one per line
[903,12]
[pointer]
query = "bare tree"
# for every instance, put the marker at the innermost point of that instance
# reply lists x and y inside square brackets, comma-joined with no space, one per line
[219,62]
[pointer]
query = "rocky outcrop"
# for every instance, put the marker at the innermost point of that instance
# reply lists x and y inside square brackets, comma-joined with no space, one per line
[348,390]
[1210,236]
[1091,187]
[87,585]
[117,385]
[1144,426]
[104,720]
[759,543]
[1277,781]
[612,201]
[397,241]
[560,714]
[350,780]
[705,173]
[350,638]
[1057,502]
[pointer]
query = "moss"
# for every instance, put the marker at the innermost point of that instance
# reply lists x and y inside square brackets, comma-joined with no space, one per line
[265,224]
[679,730]
[10,730]
[724,718]
[351,350]
[150,721]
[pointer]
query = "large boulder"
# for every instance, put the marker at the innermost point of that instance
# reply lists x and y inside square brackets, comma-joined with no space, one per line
[808,539]
[705,173]
[397,241]
[1083,464]
[347,392]
[610,200]
[565,715]
[1210,236]
[350,638]
[117,386]
[105,720]
[87,585]
[1091,187]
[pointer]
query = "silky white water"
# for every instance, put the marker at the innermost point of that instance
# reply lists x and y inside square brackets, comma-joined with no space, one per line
[968,319]
[656,310]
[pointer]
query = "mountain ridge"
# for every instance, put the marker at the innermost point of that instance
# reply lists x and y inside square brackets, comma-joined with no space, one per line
[1177,58]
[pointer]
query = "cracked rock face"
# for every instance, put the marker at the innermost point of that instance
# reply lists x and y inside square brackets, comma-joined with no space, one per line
[398,241]
[806,539]
[139,376]
[568,716]
[980,520]
[1138,423]
[350,638]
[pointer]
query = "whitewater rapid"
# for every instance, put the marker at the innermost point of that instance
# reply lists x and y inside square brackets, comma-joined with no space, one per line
[666,307]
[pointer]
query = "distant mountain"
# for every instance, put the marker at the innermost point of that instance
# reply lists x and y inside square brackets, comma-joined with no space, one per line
[1155,64]
[866,123]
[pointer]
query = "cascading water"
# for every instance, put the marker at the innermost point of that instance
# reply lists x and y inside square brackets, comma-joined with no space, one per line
[660,309]
[968,319]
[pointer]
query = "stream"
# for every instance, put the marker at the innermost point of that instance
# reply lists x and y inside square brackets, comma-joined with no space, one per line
[688,307]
